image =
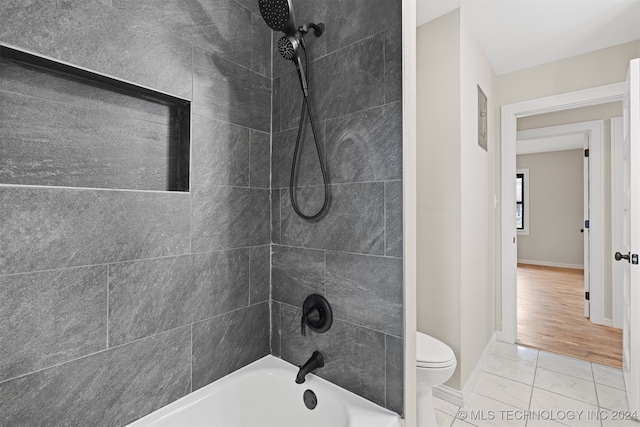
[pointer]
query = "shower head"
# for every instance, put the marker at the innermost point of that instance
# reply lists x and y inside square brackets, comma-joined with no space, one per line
[278,14]
[288,47]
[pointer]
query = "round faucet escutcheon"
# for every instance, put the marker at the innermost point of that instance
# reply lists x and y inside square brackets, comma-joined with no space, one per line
[316,314]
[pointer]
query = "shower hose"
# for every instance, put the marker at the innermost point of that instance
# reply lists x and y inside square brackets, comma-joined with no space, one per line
[306,108]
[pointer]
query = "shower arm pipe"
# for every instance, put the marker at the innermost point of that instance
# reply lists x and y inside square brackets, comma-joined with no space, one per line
[318,29]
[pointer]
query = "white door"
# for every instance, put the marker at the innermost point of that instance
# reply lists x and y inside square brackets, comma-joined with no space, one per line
[585,226]
[628,253]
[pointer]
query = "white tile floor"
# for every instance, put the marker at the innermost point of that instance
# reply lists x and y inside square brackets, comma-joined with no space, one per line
[521,386]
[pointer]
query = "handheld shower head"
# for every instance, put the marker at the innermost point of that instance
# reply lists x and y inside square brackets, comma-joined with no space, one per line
[288,47]
[278,14]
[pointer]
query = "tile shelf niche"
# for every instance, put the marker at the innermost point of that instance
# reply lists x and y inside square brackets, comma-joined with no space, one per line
[65,126]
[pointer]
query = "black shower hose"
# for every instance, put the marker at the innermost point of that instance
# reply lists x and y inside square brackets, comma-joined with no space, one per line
[306,107]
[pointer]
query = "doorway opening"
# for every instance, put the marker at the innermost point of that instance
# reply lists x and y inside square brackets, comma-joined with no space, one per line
[554,247]
[539,297]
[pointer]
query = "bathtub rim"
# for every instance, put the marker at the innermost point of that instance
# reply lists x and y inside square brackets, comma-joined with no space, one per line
[269,363]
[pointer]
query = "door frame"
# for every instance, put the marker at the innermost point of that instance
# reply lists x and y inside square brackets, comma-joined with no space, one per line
[616,223]
[508,129]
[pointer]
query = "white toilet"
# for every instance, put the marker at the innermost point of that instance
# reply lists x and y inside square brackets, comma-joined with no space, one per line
[435,362]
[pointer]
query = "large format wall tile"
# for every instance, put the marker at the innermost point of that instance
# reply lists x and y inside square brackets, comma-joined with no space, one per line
[395,373]
[260,159]
[296,273]
[50,317]
[275,328]
[53,228]
[220,153]
[98,37]
[393,64]
[366,290]
[308,170]
[151,296]
[110,388]
[260,274]
[252,5]
[87,148]
[393,218]
[228,92]
[219,27]
[275,106]
[354,221]
[345,82]
[260,46]
[351,20]
[354,357]
[229,217]
[245,335]
[366,146]
[275,216]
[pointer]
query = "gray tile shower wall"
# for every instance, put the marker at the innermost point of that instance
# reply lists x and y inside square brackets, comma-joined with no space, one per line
[353,255]
[114,303]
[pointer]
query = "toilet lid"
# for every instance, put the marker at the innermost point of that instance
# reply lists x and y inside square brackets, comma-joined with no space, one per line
[433,353]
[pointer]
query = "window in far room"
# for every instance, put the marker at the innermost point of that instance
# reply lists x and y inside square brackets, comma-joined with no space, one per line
[522,201]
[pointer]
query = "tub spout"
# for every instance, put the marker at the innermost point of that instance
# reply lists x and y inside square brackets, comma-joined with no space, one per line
[315,361]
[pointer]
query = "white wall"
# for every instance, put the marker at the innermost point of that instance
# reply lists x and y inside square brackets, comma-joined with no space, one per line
[556,194]
[477,244]
[455,192]
[598,68]
[439,164]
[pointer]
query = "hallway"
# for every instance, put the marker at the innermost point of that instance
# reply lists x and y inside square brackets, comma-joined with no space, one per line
[554,320]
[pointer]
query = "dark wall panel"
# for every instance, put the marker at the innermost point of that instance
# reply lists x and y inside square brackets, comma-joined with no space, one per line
[353,254]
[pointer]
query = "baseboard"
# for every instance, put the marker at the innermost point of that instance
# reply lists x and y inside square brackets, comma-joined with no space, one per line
[551,264]
[607,322]
[458,397]
[449,394]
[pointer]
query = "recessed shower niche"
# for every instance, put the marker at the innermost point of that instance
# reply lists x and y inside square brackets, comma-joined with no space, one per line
[69,127]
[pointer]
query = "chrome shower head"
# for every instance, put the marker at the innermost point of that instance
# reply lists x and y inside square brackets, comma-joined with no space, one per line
[278,14]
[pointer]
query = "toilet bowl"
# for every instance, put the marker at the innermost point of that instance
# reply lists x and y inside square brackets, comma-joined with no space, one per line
[435,363]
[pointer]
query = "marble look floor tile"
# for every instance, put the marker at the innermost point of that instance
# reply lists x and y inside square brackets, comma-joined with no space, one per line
[483,411]
[460,423]
[555,405]
[612,398]
[444,406]
[566,385]
[543,423]
[608,422]
[608,376]
[504,390]
[565,365]
[514,370]
[444,420]
[514,352]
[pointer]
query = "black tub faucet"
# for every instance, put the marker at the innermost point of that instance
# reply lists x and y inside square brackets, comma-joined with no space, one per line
[315,361]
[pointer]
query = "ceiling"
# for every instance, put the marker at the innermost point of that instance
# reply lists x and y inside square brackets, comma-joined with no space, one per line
[518,34]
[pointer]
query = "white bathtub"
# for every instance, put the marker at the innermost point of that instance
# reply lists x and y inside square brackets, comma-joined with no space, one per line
[265,394]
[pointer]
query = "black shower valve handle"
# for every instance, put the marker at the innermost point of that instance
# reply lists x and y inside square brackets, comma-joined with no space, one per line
[313,315]
[316,315]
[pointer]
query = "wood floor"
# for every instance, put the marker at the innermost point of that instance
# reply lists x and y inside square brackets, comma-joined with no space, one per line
[551,316]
